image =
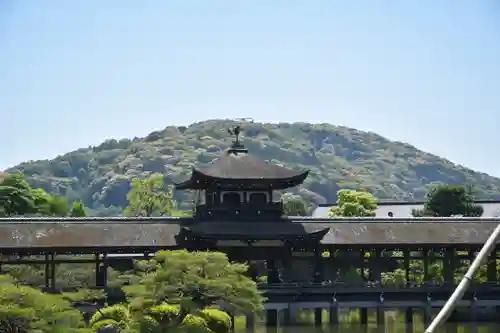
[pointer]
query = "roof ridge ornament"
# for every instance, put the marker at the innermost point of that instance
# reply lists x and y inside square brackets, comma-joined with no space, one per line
[237,146]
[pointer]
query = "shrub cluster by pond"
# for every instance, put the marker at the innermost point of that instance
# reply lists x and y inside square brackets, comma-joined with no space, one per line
[161,318]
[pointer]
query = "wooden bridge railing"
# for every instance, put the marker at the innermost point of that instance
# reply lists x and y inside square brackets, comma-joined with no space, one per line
[426,286]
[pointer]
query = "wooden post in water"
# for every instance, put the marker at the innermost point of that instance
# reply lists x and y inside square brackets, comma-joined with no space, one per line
[250,322]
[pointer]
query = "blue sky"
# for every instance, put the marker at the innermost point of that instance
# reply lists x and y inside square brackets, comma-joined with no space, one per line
[73,73]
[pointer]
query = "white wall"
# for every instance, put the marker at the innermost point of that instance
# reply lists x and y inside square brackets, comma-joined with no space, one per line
[404,210]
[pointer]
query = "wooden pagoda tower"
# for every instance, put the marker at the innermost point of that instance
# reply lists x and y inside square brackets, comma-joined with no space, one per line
[236,207]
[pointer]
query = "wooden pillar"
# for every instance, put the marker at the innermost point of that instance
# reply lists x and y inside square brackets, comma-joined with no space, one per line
[52,273]
[334,264]
[426,255]
[272,272]
[362,265]
[231,315]
[318,317]
[319,274]
[47,271]
[448,265]
[319,266]
[363,316]
[471,255]
[406,254]
[333,314]
[363,319]
[375,263]
[427,313]
[409,320]
[86,317]
[97,269]
[380,317]
[491,273]
[287,268]
[250,322]
[102,275]
[287,316]
[491,270]
[473,311]
[272,318]
[105,265]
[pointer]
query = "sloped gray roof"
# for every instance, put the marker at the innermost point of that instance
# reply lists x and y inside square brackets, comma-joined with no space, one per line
[86,233]
[260,230]
[36,233]
[235,164]
[408,233]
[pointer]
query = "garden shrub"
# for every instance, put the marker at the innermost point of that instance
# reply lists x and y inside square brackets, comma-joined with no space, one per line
[218,321]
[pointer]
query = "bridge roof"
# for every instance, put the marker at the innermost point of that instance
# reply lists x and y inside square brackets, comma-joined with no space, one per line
[91,233]
[162,232]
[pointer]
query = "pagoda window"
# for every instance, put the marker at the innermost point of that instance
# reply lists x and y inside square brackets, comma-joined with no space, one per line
[232,198]
[209,198]
[201,197]
[258,198]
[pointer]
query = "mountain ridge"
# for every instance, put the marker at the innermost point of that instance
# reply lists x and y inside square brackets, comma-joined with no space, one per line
[338,157]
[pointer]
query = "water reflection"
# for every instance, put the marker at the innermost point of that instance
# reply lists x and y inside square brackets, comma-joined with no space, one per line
[349,322]
[388,328]
[448,328]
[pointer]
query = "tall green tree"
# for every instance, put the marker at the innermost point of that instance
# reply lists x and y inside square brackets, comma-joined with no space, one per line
[78,209]
[58,206]
[194,281]
[449,200]
[15,201]
[354,203]
[49,205]
[150,197]
[16,196]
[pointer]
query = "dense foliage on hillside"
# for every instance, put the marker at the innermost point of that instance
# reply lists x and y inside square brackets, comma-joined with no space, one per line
[338,157]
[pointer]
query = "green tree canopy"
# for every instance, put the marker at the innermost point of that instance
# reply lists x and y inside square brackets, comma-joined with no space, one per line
[354,203]
[49,205]
[150,197]
[24,309]
[448,200]
[15,196]
[193,280]
[78,209]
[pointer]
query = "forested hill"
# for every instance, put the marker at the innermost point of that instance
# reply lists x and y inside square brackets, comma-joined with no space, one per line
[338,157]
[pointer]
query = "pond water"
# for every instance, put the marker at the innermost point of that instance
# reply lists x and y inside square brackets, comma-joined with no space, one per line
[394,323]
[388,328]
[448,328]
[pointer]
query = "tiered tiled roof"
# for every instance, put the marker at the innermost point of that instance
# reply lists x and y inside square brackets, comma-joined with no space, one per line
[237,166]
